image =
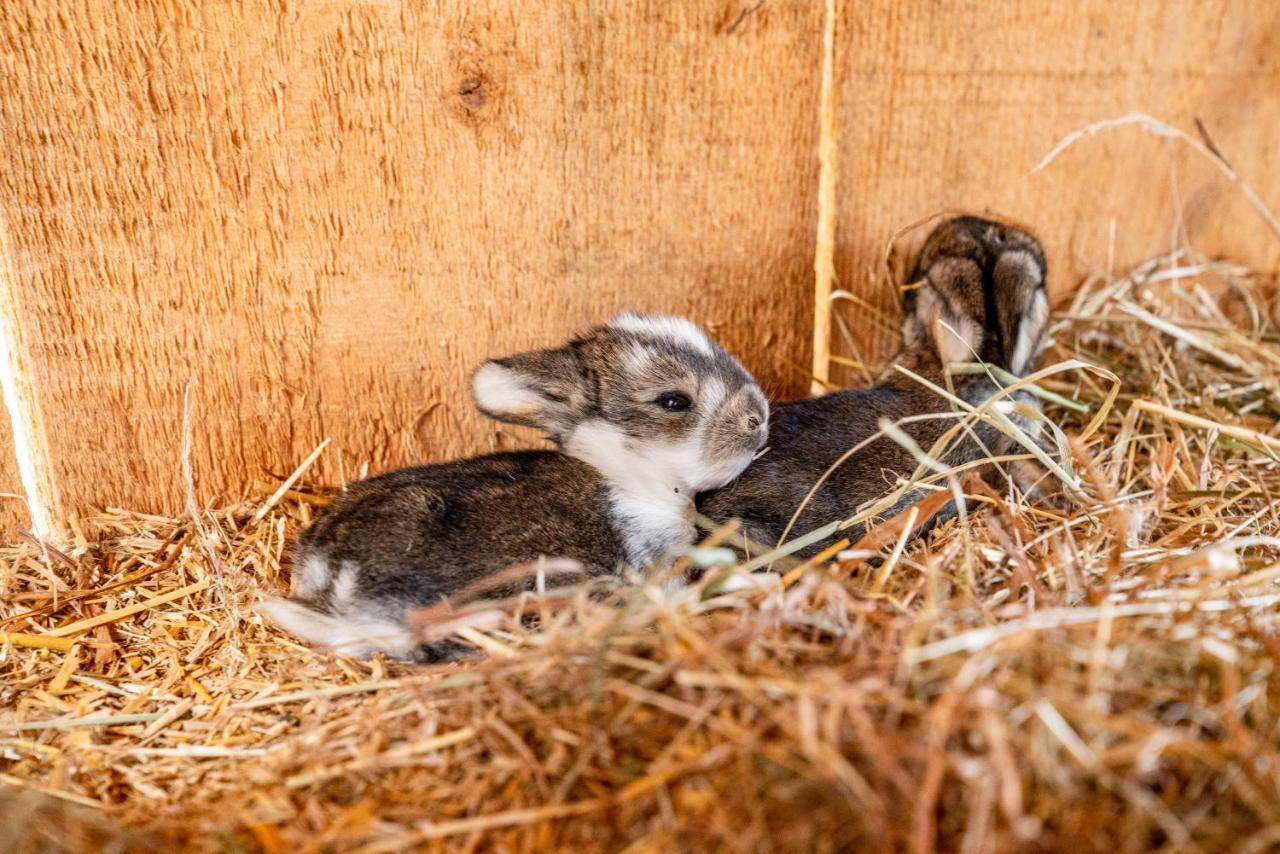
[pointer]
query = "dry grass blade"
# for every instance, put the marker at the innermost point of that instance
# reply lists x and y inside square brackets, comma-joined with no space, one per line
[1159,128]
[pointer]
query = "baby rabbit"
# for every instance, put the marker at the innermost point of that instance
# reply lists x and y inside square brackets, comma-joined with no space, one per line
[979,294]
[646,411]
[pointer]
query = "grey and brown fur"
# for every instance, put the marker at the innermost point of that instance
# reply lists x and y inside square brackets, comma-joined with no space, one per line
[646,411]
[977,292]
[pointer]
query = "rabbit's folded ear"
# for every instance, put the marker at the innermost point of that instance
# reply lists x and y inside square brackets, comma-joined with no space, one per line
[1021,306]
[980,295]
[953,330]
[540,388]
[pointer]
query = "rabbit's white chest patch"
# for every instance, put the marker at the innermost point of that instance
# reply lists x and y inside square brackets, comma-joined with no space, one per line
[651,468]
[651,529]
[650,492]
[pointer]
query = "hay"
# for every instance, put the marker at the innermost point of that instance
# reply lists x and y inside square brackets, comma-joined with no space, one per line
[1103,678]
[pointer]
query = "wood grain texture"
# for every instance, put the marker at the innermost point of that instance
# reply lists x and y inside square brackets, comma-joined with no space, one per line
[325,214]
[951,105]
[13,508]
[21,421]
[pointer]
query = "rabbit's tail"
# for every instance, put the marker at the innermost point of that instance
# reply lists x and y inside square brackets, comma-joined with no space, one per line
[358,637]
[325,611]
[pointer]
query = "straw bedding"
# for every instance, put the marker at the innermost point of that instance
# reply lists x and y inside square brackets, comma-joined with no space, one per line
[1032,677]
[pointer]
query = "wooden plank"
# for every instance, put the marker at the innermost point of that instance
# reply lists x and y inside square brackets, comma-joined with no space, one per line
[13,507]
[325,214]
[18,412]
[951,105]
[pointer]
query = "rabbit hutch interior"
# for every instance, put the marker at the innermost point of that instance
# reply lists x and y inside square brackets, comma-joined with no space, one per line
[997,567]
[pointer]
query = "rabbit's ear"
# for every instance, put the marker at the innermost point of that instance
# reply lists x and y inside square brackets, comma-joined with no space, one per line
[953,333]
[980,294]
[1022,308]
[540,388]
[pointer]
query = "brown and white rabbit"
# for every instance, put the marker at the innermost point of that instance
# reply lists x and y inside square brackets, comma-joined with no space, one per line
[978,293]
[646,411]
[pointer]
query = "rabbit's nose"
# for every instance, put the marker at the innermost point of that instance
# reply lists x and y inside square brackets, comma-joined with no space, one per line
[754,420]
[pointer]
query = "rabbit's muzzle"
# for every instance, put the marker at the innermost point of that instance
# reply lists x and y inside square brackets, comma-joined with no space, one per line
[737,432]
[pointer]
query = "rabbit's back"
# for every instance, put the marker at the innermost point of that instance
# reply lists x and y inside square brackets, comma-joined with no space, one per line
[815,435]
[441,528]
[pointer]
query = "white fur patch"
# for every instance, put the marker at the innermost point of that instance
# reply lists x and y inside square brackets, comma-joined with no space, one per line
[637,358]
[344,586]
[677,330]
[957,338]
[711,394]
[652,484]
[355,637]
[652,467]
[651,529]
[648,491]
[311,575]
[1025,351]
[500,391]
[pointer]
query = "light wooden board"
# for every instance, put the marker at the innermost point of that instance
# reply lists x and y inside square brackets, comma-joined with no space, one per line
[323,215]
[13,510]
[951,105]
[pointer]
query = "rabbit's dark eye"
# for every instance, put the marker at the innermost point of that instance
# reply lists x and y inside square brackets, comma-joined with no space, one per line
[674,401]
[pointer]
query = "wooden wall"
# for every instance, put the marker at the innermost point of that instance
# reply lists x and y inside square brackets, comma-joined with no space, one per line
[324,214]
[13,511]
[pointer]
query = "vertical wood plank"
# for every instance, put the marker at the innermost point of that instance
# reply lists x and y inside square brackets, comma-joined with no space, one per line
[824,271]
[28,492]
[13,506]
